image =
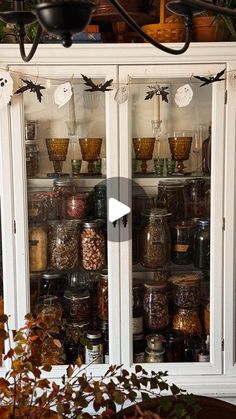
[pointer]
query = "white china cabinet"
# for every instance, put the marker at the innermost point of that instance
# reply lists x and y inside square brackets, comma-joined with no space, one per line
[124,118]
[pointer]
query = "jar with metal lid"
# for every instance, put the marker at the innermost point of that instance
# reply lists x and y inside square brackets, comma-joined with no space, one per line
[94,353]
[93,245]
[36,208]
[75,206]
[182,238]
[202,245]
[102,297]
[37,248]
[187,320]
[49,309]
[154,239]
[51,204]
[140,203]
[139,345]
[174,346]
[52,283]
[100,201]
[186,290]
[32,158]
[155,342]
[137,309]
[31,130]
[171,196]
[154,356]
[63,249]
[64,186]
[155,306]
[194,193]
[77,304]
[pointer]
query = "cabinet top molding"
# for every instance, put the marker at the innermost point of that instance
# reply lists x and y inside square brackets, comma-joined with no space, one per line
[119,54]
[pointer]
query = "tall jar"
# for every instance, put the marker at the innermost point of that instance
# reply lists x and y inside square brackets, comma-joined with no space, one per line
[182,237]
[187,320]
[202,245]
[32,158]
[154,239]
[137,309]
[195,199]
[37,248]
[155,306]
[102,297]
[63,249]
[171,196]
[93,246]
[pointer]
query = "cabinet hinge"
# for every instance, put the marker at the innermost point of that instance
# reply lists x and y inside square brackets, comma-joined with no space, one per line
[226,96]
[14,226]
[222,345]
[223,224]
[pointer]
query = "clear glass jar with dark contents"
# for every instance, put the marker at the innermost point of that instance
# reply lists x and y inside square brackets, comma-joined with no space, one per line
[186,290]
[139,345]
[100,201]
[202,245]
[174,346]
[102,297]
[171,196]
[77,304]
[137,309]
[32,158]
[155,306]
[182,238]
[64,187]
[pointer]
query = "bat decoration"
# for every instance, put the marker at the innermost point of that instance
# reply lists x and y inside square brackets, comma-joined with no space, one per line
[32,87]
[210,79]
[101,87]
[157,90]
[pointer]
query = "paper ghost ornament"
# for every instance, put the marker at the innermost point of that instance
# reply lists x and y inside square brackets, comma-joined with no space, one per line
[121,94]
[183,95]
[232,80]
[6,88]
[62,94]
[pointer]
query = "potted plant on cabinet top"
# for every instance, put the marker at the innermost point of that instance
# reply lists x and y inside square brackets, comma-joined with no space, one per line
[25,393]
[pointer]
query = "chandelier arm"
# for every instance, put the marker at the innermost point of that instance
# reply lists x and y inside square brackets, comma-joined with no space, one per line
[21,35]
[225,11]
[146,37]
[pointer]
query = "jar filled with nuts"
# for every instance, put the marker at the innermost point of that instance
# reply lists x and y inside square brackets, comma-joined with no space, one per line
[187,320]
[63,249]
[155,306]
[186,290]
[154,239]
[93,245]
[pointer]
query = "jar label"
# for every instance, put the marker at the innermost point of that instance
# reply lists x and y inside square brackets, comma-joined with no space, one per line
[181,248]
[203,358]
[139,357]
[137,325]
[94,355]
[33,242]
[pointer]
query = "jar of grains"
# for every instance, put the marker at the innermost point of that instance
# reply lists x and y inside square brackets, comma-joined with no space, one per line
[186,290]
[93,245]
[77,304]
[37,248]
[154,239]
[171,196]
[76,206]
[63,249]
[182,236]
[155,306]
[102,297]
[187,320]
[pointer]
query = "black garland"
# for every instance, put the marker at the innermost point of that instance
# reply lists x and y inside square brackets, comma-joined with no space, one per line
[158,91]
[32,87]
[96,87]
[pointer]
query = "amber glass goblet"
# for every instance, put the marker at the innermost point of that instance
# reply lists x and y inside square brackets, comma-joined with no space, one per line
[57,152]
[180,146]
[90,149]
[143,148]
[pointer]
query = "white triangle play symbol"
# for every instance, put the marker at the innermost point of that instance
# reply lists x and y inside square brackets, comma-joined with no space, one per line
[117,210]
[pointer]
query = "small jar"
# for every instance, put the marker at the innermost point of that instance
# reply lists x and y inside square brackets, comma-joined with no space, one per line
[31,130]
[137,309]
[174,346]
[94,353]
[154,239]
[32,158]
[139,345]
[37,248]
[52,283]
[202,245]
[63,187]
[51,202]
[140,203]
[76,206]
[155,306]
[100,202]
[49,309]
[155,342]
[187,320]
[77,304]
[102,297]
[63,247]
[186,290]
[93,246]
[171,196]
[154,356]
[182,237]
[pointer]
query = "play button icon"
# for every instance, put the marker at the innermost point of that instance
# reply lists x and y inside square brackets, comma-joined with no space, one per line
[117,210]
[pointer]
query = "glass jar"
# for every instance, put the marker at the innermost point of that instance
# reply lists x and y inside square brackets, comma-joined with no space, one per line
[154,356]
[63,187]
[182,237]
[35,280]
[72,343]
[32,158]
[207,199]
[137,309]
[77,304]
[93,246]
[174,346]
[194,192]
[36,208]
[155,306]
[51,203]
[154,239]
[142,202]
[202,245]
[102,297]
[31,130]
[135,242]
[187,320]
[37,248]
[76,206]
[100,201]
[171,196]
[52,283]
[94,353]
[139,345]
[186,290]
[49,309]
[155,342]
[63,247]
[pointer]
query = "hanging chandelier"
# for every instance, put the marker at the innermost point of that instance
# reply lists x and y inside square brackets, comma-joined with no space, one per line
[67,17]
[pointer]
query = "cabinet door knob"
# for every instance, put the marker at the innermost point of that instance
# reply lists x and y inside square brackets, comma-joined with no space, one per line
[125,220]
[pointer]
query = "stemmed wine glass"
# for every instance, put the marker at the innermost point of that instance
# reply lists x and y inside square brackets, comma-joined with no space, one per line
[197,149]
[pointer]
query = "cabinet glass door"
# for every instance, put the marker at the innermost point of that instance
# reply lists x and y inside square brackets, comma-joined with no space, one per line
[173,138]
[62,161]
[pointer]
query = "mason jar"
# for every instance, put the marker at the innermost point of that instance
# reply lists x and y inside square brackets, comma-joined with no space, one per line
[154,239]
[76,206]
[155,306]
[77,304]
[195,200]
[93,245]
[186,290]
[187,320]
[63,187]
[63,249]
[32,158]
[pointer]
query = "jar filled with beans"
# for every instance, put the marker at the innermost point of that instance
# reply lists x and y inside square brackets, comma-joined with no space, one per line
[93,245]
[102,297]
[155,306]
[154,239]
[186,290]
[76,206]
[63,249]
[187,320]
